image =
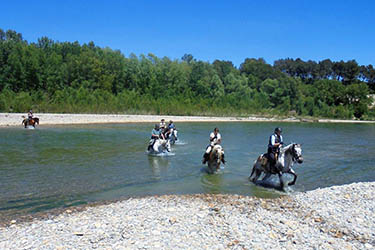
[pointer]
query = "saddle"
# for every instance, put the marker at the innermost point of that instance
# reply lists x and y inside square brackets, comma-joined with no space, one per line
[266,158]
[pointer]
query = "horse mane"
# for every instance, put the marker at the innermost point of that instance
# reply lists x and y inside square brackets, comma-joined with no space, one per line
[286,148]
[216,147]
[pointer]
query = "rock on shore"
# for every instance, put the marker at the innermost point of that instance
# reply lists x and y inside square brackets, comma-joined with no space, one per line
[340,217]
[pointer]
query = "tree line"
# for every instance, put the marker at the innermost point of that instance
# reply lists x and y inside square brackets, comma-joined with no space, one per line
[52,76]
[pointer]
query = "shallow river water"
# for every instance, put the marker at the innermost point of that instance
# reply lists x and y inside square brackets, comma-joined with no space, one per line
[59,166]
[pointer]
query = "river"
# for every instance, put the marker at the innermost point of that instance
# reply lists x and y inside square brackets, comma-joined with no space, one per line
[61,166]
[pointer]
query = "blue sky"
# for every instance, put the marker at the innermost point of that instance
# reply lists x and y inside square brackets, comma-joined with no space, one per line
[209,30]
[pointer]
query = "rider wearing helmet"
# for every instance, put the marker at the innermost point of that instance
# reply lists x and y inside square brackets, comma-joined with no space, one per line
[274,144]
[30,114]
[169,129]
[162,124]
[155,134]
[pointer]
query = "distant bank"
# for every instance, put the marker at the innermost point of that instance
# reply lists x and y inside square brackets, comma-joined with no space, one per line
[15,119]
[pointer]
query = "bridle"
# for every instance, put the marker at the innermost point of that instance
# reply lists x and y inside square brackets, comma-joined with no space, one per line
[295,156]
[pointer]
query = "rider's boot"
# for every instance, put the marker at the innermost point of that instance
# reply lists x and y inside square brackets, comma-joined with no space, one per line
[151,144]
[278,167]
[205,158]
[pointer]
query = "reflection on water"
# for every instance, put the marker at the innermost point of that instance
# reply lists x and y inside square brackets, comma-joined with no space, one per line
[56,166]
[159,165]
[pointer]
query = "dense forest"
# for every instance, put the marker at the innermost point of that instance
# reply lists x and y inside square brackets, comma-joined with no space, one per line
[66,77]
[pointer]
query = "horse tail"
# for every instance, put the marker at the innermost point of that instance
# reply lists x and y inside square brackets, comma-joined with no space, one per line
[254,166]
[252,172]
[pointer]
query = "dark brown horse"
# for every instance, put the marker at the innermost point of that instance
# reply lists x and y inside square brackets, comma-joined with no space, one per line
[30,122]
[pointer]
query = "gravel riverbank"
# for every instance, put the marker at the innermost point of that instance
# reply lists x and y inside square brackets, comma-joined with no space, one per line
[339,217]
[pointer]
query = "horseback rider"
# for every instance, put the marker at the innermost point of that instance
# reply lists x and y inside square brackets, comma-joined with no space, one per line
[30,114]
[275,142]
[215,139]
[163,126]
[170,127]
[26,122]
[155,134]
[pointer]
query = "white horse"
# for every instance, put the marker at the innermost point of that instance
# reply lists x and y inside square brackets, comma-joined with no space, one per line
[288,156]
[215,158]
[160,146]
[173,136]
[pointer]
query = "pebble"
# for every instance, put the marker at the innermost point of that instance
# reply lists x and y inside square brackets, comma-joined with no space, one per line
[339,217]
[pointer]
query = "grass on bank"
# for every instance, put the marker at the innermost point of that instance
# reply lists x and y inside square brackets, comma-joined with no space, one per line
[130,102]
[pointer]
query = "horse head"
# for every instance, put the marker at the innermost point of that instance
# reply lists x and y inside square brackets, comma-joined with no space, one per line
[218,154]
[174,132]
[296,151]
[167,145]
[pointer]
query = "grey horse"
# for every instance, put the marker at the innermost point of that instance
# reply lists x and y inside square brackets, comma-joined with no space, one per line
[288,156]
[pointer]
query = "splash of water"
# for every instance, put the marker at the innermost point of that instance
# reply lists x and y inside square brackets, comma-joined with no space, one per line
[162,154]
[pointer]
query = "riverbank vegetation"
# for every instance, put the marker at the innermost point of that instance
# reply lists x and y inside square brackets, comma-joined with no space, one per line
[66,77]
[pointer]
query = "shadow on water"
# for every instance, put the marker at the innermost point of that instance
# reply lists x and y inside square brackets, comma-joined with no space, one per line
[212,183]
[273,182]
[269,184]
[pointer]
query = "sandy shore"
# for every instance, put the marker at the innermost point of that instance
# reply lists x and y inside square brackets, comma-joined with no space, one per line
[339,217]
[15,119]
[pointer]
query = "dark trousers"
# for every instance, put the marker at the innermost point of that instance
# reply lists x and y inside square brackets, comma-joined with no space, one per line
[272,156]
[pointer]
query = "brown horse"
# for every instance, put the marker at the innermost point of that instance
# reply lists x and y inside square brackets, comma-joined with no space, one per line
[215,158]
[30,122]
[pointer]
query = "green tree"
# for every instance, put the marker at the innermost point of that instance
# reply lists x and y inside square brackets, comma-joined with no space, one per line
[259,68]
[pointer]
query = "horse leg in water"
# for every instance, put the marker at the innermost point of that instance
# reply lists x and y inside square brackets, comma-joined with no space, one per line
[281,181]
[266,176]
[257,173]
[291,171]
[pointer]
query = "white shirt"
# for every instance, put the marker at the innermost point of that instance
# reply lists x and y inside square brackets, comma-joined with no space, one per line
[273,139]
[216,140]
